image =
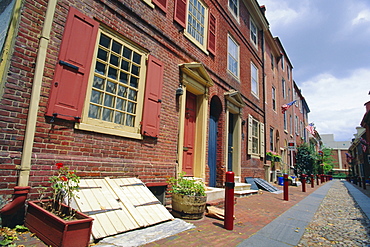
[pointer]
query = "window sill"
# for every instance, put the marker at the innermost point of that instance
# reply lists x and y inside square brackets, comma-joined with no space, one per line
[98,129]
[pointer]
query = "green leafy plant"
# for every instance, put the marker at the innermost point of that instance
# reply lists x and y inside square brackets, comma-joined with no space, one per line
[8,235]
[64,187]
[187,186]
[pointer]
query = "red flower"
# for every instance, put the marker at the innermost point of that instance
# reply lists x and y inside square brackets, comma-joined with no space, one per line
[64,178]
[59,165]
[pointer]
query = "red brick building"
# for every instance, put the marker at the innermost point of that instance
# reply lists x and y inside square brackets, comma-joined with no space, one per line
[140,88]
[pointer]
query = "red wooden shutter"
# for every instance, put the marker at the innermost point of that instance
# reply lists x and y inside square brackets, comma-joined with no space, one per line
[152,102]
[180,12]
[162,4]
[212,34]
[73,68]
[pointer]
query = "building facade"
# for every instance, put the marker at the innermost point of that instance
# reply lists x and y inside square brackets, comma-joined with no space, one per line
[140,88]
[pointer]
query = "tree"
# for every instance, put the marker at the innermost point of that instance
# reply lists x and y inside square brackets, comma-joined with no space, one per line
[326,159]
[305,160]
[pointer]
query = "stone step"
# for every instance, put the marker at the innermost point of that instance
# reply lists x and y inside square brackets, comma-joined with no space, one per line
[242,186]
[244,193]
[215,193]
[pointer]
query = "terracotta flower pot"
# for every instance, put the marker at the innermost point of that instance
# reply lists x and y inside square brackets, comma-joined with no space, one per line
[188,207]
[56,231]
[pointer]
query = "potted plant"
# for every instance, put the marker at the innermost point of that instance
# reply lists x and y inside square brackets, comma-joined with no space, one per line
[188,197]
[54,220]
[273,156]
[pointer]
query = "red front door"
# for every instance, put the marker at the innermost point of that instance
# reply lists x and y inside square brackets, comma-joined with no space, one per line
[189,134]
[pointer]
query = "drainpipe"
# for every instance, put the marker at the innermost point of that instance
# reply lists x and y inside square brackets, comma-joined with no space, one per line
[35,96]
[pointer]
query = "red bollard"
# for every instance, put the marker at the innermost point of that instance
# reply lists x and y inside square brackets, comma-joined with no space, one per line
[317,179]
[312,181]
[322,178]
[286,185]
[303,182]
[229,201]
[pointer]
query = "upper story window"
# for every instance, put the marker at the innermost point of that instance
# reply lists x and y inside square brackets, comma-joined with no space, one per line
[232,57]
[285,121]
[273,96]
[197,22]
[283,88]
[272,61]
[254,79]
[271,138]
[282,62]
[254,33]
[234,7]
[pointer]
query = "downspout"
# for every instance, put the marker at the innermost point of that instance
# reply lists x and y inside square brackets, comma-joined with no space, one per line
[35,96]
[264,91]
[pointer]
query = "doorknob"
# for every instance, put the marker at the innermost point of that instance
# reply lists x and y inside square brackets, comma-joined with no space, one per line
[185,148]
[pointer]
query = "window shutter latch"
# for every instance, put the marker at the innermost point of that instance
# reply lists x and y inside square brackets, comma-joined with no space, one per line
[61,62]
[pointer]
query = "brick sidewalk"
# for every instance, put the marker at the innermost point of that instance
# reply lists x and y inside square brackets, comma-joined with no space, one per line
[252,214]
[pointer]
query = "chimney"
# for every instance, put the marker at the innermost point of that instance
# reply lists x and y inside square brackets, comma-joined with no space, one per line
[367,105]
[263,9]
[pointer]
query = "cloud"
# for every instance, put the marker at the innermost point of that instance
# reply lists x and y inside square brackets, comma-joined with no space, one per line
[337,104]
[362,17]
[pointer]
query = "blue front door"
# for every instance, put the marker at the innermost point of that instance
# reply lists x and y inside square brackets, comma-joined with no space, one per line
[212,151]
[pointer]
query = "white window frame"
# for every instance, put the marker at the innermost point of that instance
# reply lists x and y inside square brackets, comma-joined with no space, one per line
[236,4]
[253,32]
[192,32]
[283,88]
[254,80]
[256,137]
[233,57]
[107,127]
[273,97]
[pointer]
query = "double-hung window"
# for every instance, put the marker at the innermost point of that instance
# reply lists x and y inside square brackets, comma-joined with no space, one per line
[254,79]
[233,56]
[234,7]
[199,24]
[254,32]
[121,95]
[273,96]
[256,137]
[283,88]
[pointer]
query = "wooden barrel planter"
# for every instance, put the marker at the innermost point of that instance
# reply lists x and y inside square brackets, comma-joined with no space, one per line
[188,207]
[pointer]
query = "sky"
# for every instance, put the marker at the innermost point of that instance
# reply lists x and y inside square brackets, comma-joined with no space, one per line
[328,44]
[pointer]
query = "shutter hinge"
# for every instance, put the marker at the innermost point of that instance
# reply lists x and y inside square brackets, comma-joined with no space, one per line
[55,115]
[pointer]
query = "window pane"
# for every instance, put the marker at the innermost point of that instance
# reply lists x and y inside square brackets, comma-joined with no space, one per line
[104,41]
[116,47]
[98,82]
[100,68]
[102,54]
[96,97]
[94,111]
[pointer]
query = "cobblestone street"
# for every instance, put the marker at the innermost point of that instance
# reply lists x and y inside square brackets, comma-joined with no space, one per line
[338,222]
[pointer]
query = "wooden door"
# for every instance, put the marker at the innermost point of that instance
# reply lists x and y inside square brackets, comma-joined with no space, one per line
[189,134]
[212,150]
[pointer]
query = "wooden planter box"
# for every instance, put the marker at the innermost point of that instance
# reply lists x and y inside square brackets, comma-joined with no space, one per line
[55,231]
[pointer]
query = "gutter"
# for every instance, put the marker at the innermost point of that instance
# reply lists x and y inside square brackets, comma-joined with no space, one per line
[35,96]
